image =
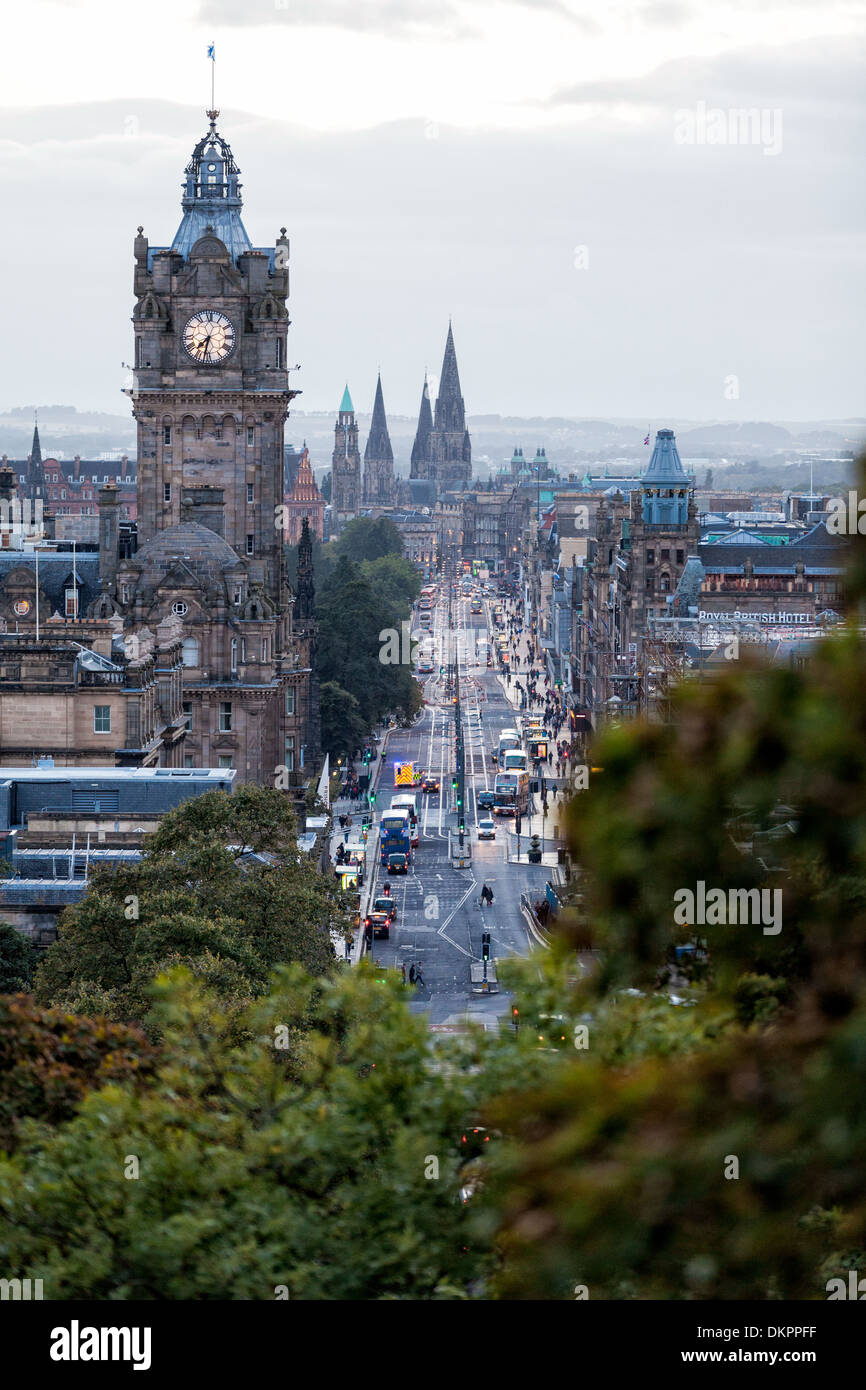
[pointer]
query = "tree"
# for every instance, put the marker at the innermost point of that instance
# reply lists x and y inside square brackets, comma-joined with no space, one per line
[18,957]
[365,539]
[49,1060]
[322,1156]
[344,728]
[221,887]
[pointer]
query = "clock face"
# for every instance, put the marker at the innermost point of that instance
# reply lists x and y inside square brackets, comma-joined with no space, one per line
[209,337]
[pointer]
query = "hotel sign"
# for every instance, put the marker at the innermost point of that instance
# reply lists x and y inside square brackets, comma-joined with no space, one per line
[776,619]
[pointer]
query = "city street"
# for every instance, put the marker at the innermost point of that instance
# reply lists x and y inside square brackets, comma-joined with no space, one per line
[439,917]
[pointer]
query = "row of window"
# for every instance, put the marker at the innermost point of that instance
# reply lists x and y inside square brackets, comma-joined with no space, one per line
[217,434]
[665,555]
[166,492]
[102,719]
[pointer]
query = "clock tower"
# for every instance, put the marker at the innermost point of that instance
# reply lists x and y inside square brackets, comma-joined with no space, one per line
[210,397]
[211,393]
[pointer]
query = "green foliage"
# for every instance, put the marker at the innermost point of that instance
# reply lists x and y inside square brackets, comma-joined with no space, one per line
[194,899]
[344,728]
[365,539]
[18,957]
[49,1060]
[307,1167]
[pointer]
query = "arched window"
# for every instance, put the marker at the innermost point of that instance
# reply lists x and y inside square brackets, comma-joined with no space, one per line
[665,583]
[190,651]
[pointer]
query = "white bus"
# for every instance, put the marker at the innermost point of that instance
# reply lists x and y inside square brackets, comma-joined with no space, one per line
[508,739]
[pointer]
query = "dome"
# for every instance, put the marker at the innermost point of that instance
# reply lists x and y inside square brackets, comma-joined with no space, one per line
[200,550]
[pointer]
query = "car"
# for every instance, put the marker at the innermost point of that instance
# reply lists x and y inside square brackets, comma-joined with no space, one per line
[398,864]
[430,784]
[486,799]
[487,828]
[382,914]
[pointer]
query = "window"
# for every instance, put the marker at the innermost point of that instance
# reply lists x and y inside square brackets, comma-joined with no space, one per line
[290,700]
[188,760]
[63,493]
[666,555]
[250,544]
[279,352]
[166,434]
[681,556]
[72,603]
[234,655]
[650,557]
[251,492]
[190,651]
[251,436]
[102,719]
[187,711]
[179,608]
[225,724]
[124,593]
[166,492]
[225,761]
[237,596]
[290,753]
[264,649]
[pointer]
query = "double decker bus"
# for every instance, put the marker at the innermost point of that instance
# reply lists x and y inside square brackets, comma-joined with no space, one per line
[396,834]
[510,793]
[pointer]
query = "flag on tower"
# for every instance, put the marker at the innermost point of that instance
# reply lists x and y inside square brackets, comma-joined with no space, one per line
[646,441]
[211,51]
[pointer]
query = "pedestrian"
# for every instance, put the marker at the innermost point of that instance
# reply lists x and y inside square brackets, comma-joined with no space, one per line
[342,822]
[419,978]
[403,971]
[412,974]
[350,941]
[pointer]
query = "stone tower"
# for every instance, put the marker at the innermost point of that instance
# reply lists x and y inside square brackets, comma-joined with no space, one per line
[420,465]
[664,530]
[210,396]
[379,458]
[450,449]
[345,466]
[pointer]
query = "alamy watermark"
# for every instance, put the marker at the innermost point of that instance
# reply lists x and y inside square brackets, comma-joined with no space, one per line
[736,125]
[714,907]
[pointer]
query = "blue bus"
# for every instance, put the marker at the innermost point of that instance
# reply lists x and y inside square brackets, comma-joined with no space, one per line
[396,834]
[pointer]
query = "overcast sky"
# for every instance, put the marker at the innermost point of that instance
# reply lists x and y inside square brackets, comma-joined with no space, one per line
[554,174]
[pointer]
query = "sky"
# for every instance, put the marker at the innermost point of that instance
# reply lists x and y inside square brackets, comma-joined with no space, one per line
[570,182]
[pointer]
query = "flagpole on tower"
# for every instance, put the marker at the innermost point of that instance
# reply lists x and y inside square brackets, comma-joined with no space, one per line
[211,53]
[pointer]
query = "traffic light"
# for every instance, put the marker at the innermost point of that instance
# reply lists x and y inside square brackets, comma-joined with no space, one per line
[517,822]
[515,1016]
[372,797]
[485,945]
[454,784]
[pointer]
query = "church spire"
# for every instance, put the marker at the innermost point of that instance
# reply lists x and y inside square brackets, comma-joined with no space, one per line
[379,457]
[35,471]
[379,441]
[420,454]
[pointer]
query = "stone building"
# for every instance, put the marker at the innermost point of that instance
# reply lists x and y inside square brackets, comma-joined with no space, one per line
[345,467]
[379,489]
[304,501]
[83,695]
[210,397]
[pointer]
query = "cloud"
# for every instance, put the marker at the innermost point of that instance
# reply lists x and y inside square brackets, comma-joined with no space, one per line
[404,18]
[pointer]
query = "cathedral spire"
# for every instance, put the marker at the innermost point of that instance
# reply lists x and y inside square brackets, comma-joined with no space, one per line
[379,456]
[420,454]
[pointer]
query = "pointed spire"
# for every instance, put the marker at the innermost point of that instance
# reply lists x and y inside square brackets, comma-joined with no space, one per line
[379,441]
[420,457]
[35,471]
[346,407]
[449,382]
[305,592]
